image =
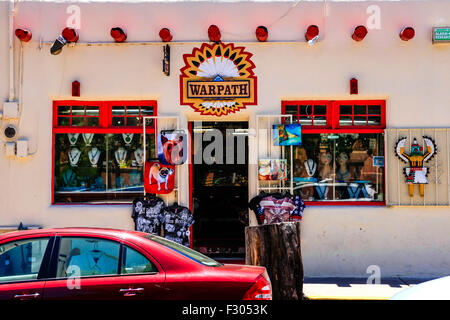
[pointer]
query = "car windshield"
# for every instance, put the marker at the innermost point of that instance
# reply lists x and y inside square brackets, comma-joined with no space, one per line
[192,254]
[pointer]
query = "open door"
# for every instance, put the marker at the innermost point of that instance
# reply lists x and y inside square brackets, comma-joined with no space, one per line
[220,188]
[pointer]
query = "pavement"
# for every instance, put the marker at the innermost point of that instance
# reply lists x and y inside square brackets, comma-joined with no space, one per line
[355,288]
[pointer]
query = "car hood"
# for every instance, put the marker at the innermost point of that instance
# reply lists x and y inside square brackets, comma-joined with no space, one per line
[438,289]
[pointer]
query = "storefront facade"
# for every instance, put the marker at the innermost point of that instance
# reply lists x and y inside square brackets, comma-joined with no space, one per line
[363,216]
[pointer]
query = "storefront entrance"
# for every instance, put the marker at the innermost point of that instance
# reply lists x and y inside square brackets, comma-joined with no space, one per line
[220,188]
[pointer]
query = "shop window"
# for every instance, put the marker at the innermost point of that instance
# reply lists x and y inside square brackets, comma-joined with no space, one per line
[343,161]
[97,158]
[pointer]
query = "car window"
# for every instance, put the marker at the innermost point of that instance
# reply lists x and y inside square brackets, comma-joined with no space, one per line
[135,262]
[185,251]
[80,256]
[21,260]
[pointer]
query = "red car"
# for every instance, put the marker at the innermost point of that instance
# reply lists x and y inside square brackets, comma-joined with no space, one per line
[90,263]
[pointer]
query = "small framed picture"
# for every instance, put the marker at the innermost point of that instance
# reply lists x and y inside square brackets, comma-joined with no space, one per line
[378,161]
[272,169]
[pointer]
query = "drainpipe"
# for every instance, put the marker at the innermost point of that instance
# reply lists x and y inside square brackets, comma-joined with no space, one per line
[11,49]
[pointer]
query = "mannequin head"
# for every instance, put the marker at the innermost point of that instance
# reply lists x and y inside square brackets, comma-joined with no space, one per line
[325,158]
[342,159]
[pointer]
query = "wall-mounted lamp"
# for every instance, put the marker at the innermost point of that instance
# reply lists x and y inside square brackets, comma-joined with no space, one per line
[214,33]
[359,33]
[24,35]
[262,33]
[75,88]
[67,35]
[312,32]
[407,33]
[353,86]
[165,35]
[118,34]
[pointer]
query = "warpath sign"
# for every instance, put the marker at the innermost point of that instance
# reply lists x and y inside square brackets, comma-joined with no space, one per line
[218,79]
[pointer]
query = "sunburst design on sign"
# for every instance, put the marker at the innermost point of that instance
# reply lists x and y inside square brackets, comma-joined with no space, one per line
[218,79]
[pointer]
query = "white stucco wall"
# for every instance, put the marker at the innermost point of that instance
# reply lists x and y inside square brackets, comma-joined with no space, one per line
[412,76]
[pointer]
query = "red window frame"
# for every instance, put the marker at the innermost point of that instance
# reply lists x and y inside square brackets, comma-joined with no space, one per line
[334,127]
[313,103]
[333,114]
[105,126]
[105,116]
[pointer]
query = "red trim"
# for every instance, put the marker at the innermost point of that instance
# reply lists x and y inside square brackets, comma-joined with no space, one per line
[332,114]
[345,203]
[191,184]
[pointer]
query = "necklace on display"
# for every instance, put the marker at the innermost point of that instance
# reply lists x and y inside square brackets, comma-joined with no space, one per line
[127,138]
[94,155]
[139,154]
[87,137]
[310,167]
[121,155]
[73,137]
[69,178]
[74,156]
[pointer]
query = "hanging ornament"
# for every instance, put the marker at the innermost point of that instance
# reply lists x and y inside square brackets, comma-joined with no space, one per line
[417,172]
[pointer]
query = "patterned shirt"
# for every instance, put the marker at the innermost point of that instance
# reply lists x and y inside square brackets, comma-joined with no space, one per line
[277,210]
[147,215]
[176,222]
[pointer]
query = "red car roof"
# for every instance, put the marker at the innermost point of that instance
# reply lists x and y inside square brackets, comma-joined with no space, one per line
[104,231]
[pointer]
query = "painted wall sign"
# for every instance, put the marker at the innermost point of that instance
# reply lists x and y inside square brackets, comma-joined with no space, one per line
[218,79]
[441,34]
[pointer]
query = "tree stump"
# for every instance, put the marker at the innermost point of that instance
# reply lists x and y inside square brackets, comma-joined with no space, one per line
[278,248]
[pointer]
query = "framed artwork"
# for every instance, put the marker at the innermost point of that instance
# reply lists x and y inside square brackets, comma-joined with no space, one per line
[287,134]
[272,169]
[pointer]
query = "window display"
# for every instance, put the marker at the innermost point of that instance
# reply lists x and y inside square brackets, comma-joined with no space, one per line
[98,161]
[342,148]
[101,170]
[339,167]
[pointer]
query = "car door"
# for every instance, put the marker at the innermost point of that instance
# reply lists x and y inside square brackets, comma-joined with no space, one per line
[85,267]
[143,276]
[92,267]
[23,267]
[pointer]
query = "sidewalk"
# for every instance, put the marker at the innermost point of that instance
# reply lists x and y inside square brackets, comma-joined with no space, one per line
[355,288]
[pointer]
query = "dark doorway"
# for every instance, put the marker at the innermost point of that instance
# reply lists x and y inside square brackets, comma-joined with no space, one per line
[220,188]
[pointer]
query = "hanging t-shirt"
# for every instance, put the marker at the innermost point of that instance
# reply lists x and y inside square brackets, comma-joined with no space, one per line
[147,215]
[255,206]
[176,222]
[297,214]
[277,210]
